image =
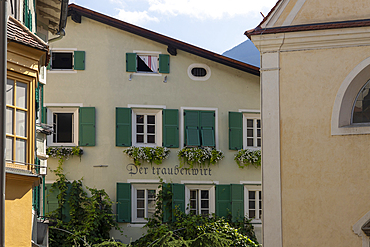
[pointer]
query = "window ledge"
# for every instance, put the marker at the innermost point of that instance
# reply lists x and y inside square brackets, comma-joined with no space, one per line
[357,129]
[62,71]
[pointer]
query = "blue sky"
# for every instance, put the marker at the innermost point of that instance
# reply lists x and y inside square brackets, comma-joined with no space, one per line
[215,25]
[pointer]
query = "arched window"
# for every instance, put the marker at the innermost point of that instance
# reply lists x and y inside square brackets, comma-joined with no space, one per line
[351,109]
[361,108]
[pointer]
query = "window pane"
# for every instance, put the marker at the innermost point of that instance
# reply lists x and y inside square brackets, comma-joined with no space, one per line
[193,194]
[151,119]
[9,120]
[139,128]
[361,109]
[151,194]
[252,214]
[204,204]
[21,95]
[64,127]
[21,123]
[151,129]
[258,123]
[10,92]
[140,194]
[20,147]
[140,204]
[250,142]
[258,132]
[204,194]
[250,132]
[250,123]
[9,148]
[62,60]
[193,204]
[139,138]
[205,212]
[151,138]
[252,194]
[140,213]
[139,118]
[252,204]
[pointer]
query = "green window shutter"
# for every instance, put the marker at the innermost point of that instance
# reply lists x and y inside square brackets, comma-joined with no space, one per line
[131,62]
[167,204]
[86,126]
[123,127]
[171,128]
[164,63]
[51,199]
[49,64]
[178,198]
[207,128]
[235,130]
[79,60]
[237,202]
[191,128]
[223,200]
[123,209]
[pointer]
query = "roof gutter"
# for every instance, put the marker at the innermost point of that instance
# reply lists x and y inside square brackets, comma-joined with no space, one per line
[62,22]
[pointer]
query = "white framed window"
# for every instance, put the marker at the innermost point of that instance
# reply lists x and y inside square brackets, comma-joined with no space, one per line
[65,126]
[199,72]
[143,201]
[253,202]
[147,127]
[200,199]
[252,131]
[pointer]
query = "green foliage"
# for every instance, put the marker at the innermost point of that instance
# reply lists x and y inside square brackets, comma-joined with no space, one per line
[193,230]
[148,154]
[63,153]
[246,157]
[86,217]
[110,243]
[200,156]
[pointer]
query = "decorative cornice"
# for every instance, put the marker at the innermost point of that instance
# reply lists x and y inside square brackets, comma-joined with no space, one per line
[312,40]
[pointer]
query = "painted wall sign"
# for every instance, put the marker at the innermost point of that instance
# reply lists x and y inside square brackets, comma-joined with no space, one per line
[140,170]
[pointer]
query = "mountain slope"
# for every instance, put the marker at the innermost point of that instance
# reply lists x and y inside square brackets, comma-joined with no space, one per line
[245,52]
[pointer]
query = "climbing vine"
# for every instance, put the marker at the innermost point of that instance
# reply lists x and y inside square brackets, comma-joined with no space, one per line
[87,217]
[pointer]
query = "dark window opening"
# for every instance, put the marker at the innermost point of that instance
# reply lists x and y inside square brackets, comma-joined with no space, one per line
[62,60]
[144,64]
[198,72]
[63,127]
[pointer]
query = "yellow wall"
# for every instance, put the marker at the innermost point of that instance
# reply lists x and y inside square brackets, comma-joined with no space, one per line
[316,11]
[105,85]
[18,211]
[324,177]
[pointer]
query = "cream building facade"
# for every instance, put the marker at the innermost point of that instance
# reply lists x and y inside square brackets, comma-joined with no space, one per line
[125,78]
[314,83]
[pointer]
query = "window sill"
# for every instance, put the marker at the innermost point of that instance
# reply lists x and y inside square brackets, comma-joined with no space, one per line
[146,74]
[62,71]
[356,129]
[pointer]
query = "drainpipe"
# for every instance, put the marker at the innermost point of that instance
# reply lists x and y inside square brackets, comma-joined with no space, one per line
[3,48]
[63,21]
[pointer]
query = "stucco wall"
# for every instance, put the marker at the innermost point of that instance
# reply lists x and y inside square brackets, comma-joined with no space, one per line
[324,177]
[105,85]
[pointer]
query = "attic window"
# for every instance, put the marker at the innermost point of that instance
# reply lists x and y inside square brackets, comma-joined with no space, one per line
[199,72]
